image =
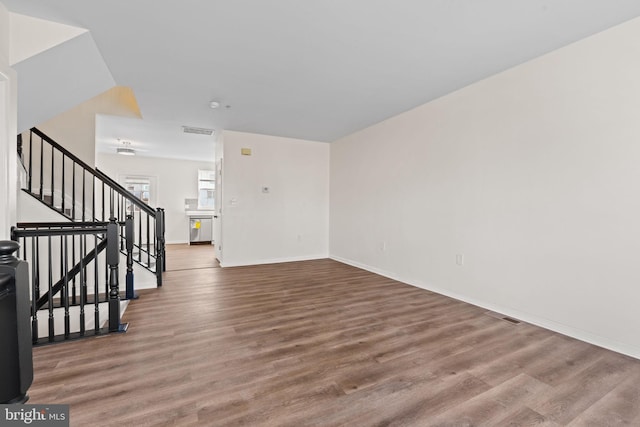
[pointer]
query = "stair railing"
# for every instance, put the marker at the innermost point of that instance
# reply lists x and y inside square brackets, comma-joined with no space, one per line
[65,183]
[74,268]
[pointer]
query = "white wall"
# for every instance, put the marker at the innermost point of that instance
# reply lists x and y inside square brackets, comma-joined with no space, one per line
[8,130]
[75,129]
[532,175]
[291,221]
[60,78]
[177,180]
[31,36]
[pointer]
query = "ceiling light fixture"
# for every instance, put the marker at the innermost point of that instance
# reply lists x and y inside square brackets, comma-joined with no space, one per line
[214,104]
[126,149]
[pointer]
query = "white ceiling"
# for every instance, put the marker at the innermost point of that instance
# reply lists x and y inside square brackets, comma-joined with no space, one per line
[313,69]
[155,139]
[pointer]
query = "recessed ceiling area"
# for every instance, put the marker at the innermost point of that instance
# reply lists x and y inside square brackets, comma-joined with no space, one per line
[314,70]
[152,139]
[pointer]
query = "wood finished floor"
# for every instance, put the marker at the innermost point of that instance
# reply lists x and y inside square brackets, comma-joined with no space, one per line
[319,343]
[190,257]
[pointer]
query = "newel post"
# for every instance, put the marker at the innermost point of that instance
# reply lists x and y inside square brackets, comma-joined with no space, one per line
[113,259]
[160,250]
[16,361]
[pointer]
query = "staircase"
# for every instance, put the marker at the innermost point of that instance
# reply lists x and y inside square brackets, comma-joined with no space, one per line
[78,192]
[74,278]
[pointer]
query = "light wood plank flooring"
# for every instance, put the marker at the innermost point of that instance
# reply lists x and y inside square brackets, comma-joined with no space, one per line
[190,257]
[319,343]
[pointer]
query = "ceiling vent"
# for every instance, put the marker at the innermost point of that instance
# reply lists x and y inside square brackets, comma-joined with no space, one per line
[198,131]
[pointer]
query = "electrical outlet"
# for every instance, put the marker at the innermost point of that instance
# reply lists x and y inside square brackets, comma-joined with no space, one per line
[459,259]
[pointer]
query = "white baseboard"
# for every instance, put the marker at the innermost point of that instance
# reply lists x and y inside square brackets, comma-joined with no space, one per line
[551,325]
[272,260]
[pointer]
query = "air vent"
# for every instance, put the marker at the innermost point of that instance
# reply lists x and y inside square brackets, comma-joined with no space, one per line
[512,320]
[198,131]
[503,317]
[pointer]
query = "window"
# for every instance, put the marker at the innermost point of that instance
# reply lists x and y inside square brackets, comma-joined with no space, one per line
[206,189]
[142,187]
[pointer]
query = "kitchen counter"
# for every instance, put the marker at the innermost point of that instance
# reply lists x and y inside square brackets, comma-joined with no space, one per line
[200,214]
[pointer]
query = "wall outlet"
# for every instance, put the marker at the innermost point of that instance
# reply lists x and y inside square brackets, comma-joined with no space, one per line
[459,259]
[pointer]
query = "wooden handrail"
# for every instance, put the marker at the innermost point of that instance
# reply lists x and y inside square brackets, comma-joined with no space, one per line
[97,173]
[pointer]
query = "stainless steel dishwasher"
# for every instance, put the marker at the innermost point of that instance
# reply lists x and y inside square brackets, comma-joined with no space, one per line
[200,229]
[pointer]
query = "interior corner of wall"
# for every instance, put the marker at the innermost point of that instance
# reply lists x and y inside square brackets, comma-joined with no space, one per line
[126,99]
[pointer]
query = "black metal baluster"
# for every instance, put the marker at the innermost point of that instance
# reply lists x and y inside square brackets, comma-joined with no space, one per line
[84,189]
[35,266]
[96,291]
[65,286]
[53,203]
[148,242]
[93,199]
[154,229]
[82,285]
[41,169]
[62,269]
[37,276]
[139,233]
[103,202]
[30,161]
[106,278]
[73,190]
[120,216]
[51,324]
[63,180]
[73,262]
[111,203]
